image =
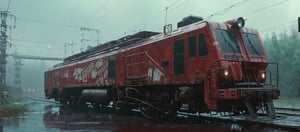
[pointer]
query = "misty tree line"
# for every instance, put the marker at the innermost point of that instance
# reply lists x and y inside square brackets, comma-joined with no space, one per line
[284,49]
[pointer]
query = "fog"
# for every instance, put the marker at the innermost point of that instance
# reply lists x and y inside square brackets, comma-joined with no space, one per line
[45,27]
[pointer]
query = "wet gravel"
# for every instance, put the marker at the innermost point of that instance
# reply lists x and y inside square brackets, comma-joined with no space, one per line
[53,117]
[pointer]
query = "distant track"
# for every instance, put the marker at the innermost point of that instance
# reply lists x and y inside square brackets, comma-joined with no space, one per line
[288,111]
[43,100]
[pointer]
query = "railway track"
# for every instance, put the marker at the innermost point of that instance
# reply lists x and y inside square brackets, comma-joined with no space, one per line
[42,99]
[288,111]
[286,119]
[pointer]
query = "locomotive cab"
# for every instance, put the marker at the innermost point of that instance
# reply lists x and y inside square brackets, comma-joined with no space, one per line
[244,79]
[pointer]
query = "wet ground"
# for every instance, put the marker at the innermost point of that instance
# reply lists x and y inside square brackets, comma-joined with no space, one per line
[51,117]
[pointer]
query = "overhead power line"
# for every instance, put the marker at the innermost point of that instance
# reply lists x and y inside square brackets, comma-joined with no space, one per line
[225,10]
[46,22]
[174,5]
[34,42]
[51,23]
[31,41]
[182,3]
[98,10]
[267,7]
[32,57]
[280,26]
[39,47]
[8,5]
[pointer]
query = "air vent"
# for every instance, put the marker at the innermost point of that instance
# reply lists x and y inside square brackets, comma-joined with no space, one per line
[188,20]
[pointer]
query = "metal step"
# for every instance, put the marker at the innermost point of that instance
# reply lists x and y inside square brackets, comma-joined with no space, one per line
[270,109]
[184,108]
[250,108]
[117,106]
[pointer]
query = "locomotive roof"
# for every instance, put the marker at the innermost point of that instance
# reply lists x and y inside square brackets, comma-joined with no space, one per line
[100,49]
[127,42]
[132,41]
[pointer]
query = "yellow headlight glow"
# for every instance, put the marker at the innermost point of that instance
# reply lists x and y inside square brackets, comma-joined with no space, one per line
[226,73]
[263,75]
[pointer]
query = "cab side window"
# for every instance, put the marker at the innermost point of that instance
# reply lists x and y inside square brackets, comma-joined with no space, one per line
[203,51]
[178,57]
[192,46]
[112,67]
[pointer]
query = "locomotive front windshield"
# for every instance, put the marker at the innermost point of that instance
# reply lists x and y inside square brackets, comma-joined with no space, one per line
[228,41]
[252,43]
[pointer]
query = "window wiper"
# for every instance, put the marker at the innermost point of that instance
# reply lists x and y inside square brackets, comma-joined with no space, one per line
[250,42]
[226,41]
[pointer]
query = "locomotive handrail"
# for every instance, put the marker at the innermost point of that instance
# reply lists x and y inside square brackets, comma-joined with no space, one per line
[277,74]
[243,61]
[150,58]
[159,67]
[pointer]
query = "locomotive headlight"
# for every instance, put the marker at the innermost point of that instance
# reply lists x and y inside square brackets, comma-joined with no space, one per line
[225,73]
[237,23]
[262,76]
[240,22]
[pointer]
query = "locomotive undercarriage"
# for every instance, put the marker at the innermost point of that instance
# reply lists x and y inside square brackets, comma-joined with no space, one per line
[248,106]
[253,102]
[152,101]
[155,101]
[80,96]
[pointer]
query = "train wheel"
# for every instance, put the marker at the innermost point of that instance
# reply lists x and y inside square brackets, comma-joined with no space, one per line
[150,111]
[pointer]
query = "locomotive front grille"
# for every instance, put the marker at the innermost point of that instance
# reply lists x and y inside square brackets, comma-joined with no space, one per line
[238,93]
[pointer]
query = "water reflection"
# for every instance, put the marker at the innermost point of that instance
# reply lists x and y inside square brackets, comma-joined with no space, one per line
[44,117]
[1,125]
[12,122]
[87,119]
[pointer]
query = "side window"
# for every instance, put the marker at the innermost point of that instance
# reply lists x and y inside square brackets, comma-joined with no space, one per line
[253,45]
[45,76]
[228,41]
[192,46]
[178,57]
[202,45]
[112,67]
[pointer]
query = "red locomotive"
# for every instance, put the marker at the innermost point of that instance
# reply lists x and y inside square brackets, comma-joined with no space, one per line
[201,66]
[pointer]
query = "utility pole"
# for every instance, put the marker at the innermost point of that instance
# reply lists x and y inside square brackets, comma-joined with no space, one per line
[84,30]
[3,44]
[18,64]
[66,47]
[298,24]
[17,81]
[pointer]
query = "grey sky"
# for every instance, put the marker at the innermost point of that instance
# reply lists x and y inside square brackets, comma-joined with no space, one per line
[115,18]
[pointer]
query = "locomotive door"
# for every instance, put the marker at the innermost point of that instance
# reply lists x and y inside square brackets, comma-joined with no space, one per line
[198,59]
[178,53]
[196,54]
